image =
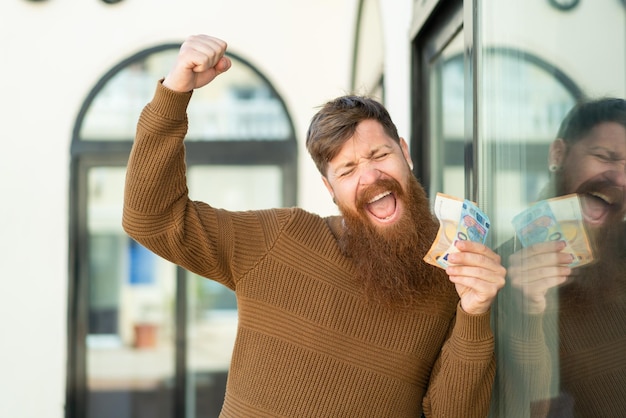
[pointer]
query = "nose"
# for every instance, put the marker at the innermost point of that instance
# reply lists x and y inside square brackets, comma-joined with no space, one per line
[617,177]
[368,174]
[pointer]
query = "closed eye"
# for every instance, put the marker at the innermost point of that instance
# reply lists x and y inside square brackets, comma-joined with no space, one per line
[603,157]
[346,173]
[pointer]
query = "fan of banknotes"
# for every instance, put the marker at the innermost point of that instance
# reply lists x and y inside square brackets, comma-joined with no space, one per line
[459,219]
[556,219]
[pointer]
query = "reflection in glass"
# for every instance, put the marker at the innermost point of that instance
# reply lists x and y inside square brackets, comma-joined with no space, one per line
[524,100]
[560,333]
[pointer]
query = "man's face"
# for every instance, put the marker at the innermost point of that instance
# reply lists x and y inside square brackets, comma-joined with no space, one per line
[595,168]
[386,214]
[368,175]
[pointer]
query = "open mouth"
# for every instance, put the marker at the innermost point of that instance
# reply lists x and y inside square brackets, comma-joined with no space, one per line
[597,207]
[383,206]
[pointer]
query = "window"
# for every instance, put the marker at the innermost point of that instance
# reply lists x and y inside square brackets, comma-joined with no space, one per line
[148,339]
[493,83]
[442,135]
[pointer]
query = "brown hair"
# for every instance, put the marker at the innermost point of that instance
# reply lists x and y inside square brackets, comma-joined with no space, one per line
[583,117]
[337,121]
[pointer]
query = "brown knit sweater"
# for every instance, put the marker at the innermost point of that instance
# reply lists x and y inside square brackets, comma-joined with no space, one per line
[571,360]
[308,343]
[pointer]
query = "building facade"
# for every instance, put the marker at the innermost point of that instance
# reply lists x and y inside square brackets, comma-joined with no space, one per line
[94,323]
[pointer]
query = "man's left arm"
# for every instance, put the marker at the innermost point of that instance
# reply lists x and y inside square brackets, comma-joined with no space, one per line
[462,378]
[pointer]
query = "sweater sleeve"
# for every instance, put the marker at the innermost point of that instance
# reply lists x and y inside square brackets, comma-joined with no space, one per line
[159,214]
[462,377]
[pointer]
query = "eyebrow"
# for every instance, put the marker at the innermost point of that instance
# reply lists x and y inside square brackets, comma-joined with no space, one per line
[352,163]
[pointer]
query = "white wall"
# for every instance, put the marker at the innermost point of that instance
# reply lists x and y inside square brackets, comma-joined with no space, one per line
[53,52]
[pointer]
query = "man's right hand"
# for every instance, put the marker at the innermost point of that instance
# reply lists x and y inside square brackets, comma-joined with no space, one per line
[200,59]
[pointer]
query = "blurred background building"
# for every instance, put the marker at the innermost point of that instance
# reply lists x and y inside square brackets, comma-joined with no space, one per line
[94,325]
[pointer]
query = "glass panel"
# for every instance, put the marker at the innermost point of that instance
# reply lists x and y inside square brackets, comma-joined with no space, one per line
[560,324]
[238,106]
[130,345]
[447,128]
[527,103]
[212,308]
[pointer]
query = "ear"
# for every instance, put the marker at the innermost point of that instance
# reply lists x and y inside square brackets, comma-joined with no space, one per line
[556,156]
[405,151]
[329,187]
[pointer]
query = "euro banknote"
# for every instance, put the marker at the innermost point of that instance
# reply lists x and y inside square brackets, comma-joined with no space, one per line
[459,219]
[556,219]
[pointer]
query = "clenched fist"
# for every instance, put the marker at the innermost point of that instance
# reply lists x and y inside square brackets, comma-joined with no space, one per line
[200,59]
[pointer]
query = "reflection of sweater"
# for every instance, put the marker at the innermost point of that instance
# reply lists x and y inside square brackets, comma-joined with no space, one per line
[308,344]
[592,334]
[570,361]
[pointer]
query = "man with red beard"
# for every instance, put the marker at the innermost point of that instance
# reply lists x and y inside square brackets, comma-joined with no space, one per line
[338,316]
[569,332]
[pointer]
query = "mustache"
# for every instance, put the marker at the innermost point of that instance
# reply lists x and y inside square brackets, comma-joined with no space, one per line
[612,193]
[379,186]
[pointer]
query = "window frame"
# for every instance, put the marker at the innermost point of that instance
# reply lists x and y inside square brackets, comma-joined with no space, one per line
[429,38]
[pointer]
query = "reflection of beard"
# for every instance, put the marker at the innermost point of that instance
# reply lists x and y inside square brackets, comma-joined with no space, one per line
[389,260]
[595,186]
[604,279]
[602,237]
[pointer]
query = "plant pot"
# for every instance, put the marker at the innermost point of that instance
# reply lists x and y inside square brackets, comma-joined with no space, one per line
[145,335]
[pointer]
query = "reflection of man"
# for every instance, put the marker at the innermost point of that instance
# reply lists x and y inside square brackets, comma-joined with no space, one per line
[583,310]
[338,316]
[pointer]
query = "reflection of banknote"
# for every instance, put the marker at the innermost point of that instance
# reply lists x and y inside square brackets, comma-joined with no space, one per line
[458,220]
[557,219]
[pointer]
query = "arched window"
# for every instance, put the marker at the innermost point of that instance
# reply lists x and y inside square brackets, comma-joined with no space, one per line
[147,338]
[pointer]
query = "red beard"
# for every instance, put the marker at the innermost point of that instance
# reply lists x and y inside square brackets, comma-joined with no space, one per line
[389,260]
